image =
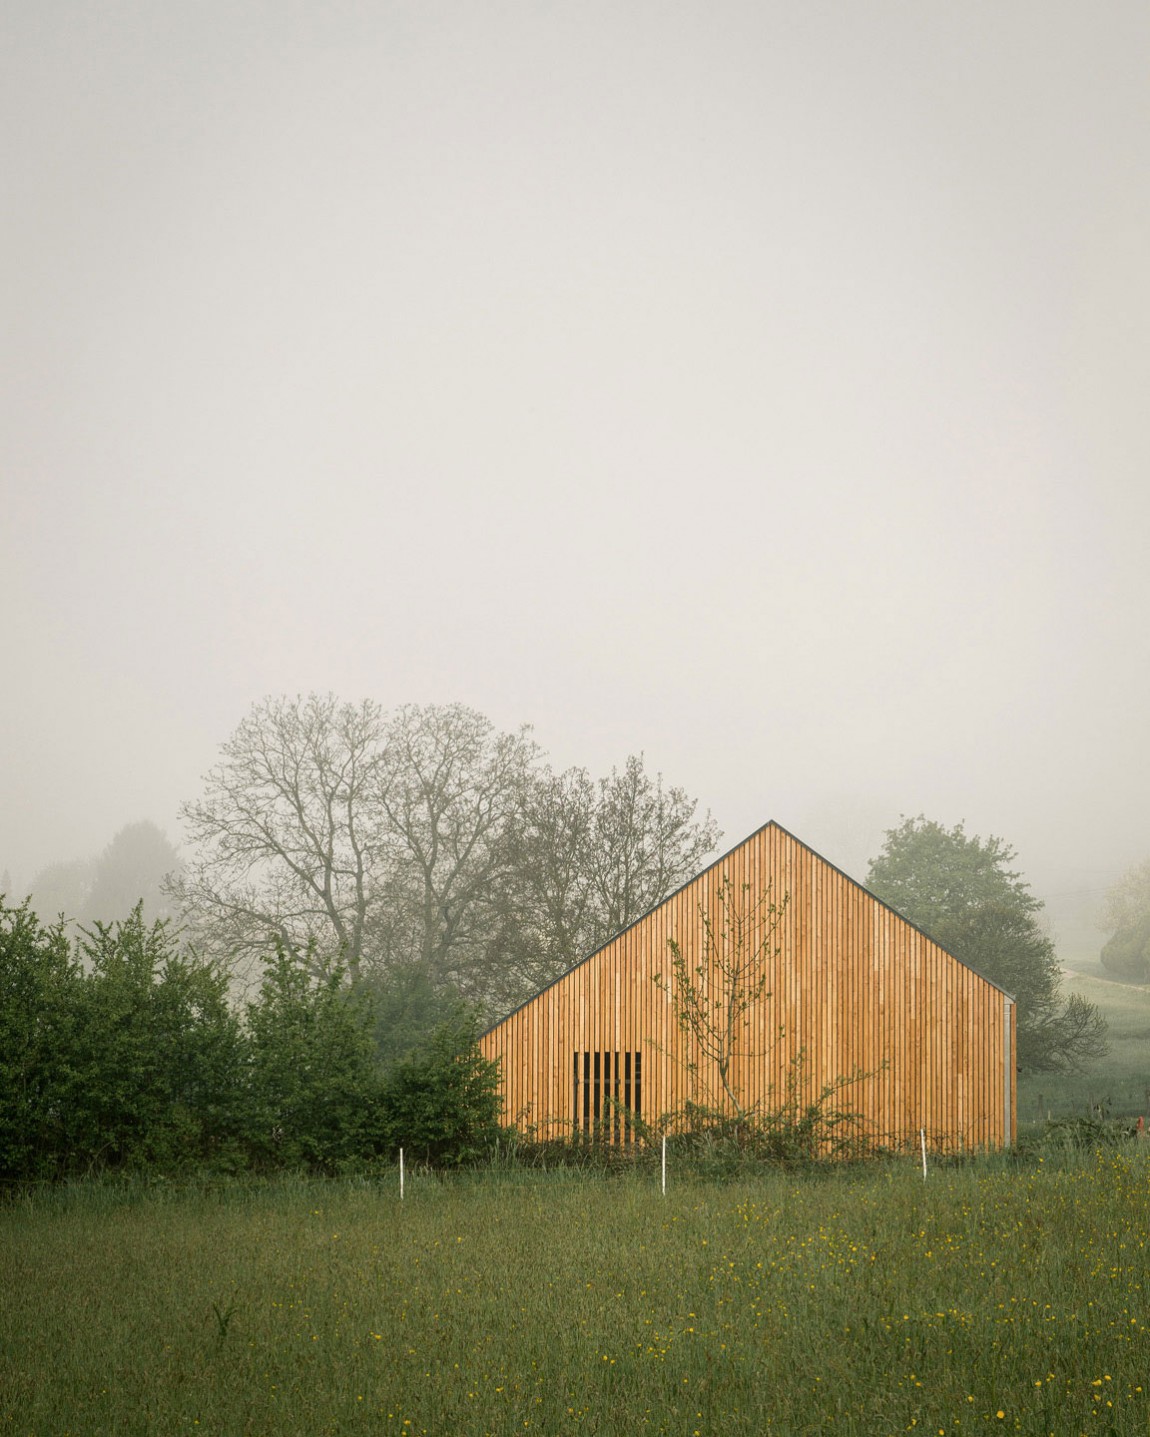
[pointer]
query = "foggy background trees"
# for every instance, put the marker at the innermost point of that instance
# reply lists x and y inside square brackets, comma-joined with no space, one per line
[440,867]
[963,891]
[360,890]
[131,870]
[422,847]
[446,868]
[1126,917]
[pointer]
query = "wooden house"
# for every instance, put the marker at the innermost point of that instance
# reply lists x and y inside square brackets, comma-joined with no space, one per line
[846,983]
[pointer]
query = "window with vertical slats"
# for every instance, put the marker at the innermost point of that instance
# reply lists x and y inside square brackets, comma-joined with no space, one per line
[607,1093]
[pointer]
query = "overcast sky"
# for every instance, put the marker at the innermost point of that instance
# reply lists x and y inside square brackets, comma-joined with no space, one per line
[762,386]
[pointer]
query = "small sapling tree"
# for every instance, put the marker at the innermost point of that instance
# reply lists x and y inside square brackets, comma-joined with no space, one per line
[719,999]
[721,1009]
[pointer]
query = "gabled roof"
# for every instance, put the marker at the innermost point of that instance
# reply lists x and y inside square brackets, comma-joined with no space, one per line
[717,863]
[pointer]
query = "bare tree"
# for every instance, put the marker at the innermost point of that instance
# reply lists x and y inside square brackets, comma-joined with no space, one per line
[646,844]
[547,920]
[719,999]
[286,839]
[588,859]
[450,787]
[374,838]
[423,838]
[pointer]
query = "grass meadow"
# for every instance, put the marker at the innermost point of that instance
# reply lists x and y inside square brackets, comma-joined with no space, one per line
[998,1296]
[1119,1082]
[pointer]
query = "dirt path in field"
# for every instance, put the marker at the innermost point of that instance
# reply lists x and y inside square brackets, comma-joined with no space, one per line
[1110,982]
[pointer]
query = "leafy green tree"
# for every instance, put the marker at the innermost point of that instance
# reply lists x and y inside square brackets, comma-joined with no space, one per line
[938,876]
[1126,954]
[322,1093]
[158,1058]
[38,986]
[314,1079]
[441,1103]
[120,1052]
[965,893]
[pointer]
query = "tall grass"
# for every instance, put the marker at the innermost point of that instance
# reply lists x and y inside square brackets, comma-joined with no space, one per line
[994,1296]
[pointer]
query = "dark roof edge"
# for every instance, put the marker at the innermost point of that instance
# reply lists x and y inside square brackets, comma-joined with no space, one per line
[633,924]
[770,823]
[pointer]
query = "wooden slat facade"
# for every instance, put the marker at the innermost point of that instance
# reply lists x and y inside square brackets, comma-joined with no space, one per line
[854,987]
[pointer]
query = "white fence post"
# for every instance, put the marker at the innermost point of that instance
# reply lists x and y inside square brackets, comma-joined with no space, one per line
[401,1174]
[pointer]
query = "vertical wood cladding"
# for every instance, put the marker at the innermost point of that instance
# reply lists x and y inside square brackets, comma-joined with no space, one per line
[854,988]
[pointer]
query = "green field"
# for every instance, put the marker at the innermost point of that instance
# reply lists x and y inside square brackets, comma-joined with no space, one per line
[1121,1081]
[996,1296]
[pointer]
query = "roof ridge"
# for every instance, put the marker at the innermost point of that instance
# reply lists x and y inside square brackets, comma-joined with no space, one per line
[770,823]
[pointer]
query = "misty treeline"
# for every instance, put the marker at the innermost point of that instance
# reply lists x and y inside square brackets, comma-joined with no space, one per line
[360,890]
[422,839]
[134,868]
[1126,917]
[122,1051]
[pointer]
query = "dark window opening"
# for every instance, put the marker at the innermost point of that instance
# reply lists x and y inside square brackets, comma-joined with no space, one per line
[608,1094]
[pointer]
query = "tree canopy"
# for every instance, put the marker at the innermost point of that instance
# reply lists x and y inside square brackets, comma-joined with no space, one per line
[586,858]
[130,871]
[964,891]
[423,842]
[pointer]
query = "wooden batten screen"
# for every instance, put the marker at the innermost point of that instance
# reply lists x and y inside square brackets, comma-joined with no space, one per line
[607,1093]
[853,989]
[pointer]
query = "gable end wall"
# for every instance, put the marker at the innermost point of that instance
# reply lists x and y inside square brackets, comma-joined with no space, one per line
[854,988]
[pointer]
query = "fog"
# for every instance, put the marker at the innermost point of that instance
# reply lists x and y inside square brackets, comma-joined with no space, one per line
[760,386]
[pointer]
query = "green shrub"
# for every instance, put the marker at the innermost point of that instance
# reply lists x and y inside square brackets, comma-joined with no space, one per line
[314,1083]
[38,984]
[408,1008]
[440,1104]
[131,1059]
[1127,954]
[158,1054]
